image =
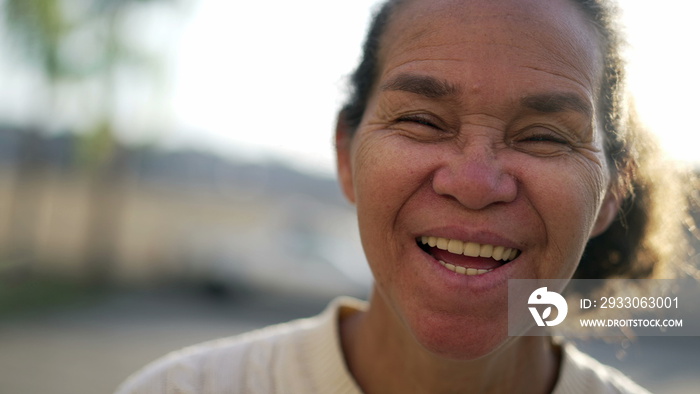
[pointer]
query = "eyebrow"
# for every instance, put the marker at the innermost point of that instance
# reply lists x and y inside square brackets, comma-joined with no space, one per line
[557,102]
[432,87]
[429,87]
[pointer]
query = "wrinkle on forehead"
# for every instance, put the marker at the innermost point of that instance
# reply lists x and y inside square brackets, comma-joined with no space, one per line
[564,36]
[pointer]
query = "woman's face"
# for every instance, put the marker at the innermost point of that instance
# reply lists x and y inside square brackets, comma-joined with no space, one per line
[481,137]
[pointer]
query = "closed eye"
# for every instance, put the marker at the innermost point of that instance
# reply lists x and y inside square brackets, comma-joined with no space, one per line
[418,119]
[545,138]
[542,141]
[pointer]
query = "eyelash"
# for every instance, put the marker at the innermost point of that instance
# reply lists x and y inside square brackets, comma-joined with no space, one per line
[546,138]
[418,119]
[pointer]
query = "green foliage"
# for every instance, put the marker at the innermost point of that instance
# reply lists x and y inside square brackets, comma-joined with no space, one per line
[74,45]
[37,26]
[96,148]
[48,32]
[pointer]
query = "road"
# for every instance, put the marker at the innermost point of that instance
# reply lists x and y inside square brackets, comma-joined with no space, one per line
[91,347]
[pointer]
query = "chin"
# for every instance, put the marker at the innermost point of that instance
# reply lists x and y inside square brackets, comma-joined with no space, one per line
[460,339]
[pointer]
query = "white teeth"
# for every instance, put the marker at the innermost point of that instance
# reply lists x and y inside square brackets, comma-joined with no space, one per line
[455,246]
[471,249]
[497,252]
[513,254]
[506,254]
[486,251]
[462,270]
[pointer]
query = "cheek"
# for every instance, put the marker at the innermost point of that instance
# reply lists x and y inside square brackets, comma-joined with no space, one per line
[566,197]
[583,186]
[386,171]
[568,200]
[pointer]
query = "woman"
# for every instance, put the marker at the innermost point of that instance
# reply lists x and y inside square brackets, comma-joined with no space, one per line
[484,140]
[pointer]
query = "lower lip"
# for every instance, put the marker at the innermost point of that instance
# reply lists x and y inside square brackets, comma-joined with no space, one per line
[479,283]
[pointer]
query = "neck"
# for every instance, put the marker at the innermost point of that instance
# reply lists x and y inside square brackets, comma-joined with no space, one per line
[385,358]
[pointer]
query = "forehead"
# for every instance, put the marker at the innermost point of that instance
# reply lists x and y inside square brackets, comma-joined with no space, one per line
[550,36]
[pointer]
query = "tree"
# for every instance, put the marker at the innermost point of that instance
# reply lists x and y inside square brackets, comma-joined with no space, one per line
[73,46]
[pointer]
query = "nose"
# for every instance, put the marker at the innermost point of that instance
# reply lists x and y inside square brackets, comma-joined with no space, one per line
[476,177]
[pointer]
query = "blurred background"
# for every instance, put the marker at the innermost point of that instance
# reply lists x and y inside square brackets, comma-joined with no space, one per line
[167,176]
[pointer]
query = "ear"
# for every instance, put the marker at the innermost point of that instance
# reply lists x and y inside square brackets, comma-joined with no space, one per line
[343,140]
[606,215]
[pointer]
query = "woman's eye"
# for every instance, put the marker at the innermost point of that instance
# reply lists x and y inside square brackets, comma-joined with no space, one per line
[546,138]
[541,142]
[419,120]
[422,127]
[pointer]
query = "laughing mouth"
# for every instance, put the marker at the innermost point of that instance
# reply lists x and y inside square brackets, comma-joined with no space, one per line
[491,256]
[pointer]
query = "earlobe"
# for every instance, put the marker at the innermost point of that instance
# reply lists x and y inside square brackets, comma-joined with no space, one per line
[343,139]
[606,215]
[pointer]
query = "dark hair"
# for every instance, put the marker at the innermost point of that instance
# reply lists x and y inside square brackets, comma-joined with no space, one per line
[631,246]
[363,79]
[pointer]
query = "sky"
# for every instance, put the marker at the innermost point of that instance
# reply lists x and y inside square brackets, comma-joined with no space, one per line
[263,80]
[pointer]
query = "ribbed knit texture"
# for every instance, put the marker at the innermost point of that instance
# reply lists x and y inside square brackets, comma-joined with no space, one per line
[305,356]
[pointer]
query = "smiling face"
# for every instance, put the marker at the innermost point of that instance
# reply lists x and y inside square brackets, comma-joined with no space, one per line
[478,159]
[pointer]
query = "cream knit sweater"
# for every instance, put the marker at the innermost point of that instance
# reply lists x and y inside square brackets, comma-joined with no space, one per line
[304,356]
